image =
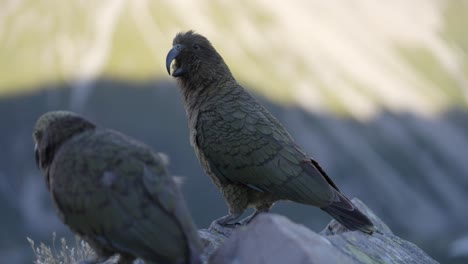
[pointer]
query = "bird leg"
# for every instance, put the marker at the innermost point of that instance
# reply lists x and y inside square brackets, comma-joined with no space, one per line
[221,224]
[257,211]
[249,218]
[224,221]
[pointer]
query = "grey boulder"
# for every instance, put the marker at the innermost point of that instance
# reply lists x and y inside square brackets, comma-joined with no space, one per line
[274,239]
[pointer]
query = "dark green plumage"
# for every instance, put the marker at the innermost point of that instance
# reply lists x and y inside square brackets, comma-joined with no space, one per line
[114,192]
[244,149]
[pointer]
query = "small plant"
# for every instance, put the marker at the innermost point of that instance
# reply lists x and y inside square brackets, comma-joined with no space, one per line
[64,254]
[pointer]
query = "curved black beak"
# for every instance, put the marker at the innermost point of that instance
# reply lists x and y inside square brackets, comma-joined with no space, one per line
[172,55]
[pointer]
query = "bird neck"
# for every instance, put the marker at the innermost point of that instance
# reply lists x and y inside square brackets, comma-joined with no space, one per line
[206,88]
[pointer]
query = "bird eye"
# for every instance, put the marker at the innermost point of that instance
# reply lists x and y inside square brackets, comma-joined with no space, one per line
[195,46]
[37,134]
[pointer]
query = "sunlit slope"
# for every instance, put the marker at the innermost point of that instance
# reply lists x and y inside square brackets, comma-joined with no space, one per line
[350,57]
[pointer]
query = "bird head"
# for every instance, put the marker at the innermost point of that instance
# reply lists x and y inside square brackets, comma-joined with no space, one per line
[194,56]
[52,129]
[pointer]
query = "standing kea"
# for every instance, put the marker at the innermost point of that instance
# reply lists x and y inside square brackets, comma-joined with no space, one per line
[114,192]
[246,151]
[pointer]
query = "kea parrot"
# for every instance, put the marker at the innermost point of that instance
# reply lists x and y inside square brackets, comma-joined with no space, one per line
[245,150]
[114,192]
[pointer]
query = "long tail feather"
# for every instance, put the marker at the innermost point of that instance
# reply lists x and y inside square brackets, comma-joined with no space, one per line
[348,215]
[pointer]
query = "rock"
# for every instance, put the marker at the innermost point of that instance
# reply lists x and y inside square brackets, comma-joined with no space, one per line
[275,239]
[211,242]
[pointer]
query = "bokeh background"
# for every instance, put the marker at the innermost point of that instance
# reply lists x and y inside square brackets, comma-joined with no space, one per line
[376,91]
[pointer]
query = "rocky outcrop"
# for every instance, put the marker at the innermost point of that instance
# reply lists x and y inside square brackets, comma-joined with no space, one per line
[275,239]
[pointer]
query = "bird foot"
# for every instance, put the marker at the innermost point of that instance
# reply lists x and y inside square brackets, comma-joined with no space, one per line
[251,217]
[224,224]
[224,229]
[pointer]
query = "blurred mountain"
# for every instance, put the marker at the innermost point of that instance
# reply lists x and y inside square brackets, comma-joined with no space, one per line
[353,57]
[375,91]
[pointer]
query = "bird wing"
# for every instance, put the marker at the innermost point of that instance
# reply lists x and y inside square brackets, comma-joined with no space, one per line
[123,198]
[244,143]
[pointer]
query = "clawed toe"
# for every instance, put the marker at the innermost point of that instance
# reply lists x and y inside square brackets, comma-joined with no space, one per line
[224,229]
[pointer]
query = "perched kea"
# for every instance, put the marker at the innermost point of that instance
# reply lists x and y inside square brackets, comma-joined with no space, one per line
[246,151]
[114,192]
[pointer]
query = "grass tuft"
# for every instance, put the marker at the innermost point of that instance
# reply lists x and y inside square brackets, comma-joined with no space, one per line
[64,254]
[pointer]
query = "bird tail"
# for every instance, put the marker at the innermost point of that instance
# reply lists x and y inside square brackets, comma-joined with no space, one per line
[349,215]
